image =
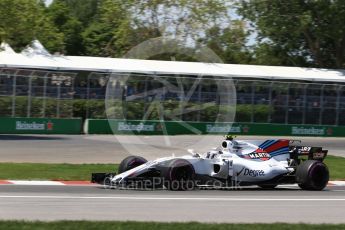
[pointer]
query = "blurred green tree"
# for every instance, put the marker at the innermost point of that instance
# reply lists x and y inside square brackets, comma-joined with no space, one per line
[298,33]
[67,24]
[22,21]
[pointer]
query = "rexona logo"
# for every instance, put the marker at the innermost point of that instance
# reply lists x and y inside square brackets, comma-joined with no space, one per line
[308,131]
[253,173]
[123,126]
[223,129]
[23,125]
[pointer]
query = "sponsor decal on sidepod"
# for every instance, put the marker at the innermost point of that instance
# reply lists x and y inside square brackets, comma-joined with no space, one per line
[252,173]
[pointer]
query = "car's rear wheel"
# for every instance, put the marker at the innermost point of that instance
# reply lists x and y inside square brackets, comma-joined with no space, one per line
[131,162]
[312,175]
[179,175]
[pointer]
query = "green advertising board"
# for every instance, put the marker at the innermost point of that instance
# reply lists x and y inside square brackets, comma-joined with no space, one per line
[40,126]
[289,130]
[94,126]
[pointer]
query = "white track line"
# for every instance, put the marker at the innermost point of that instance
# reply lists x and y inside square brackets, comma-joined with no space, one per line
[35,182]
[79,183]
[172,198]
[338,182]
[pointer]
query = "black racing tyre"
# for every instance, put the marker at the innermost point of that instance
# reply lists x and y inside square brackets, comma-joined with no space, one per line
[179,175]
[267,186]
[312,175]
[130,163]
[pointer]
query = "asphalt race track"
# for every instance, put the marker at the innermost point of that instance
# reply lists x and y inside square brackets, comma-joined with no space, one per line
[112,149]
[285,204]
[246,205]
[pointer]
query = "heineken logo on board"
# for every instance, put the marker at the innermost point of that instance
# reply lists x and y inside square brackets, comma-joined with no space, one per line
[24,125]
[308,131]
[123,126]
[223,129]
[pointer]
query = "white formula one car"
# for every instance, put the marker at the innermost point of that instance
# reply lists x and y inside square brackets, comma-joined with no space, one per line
[235,163]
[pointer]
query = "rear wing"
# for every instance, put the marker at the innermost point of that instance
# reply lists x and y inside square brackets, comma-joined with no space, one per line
[313,153]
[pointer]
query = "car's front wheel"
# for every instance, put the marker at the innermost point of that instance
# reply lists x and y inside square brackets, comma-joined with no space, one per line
[179,175]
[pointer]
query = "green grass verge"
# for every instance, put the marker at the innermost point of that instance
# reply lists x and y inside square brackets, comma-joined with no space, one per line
[37,171]
[9,225]
[336,166]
